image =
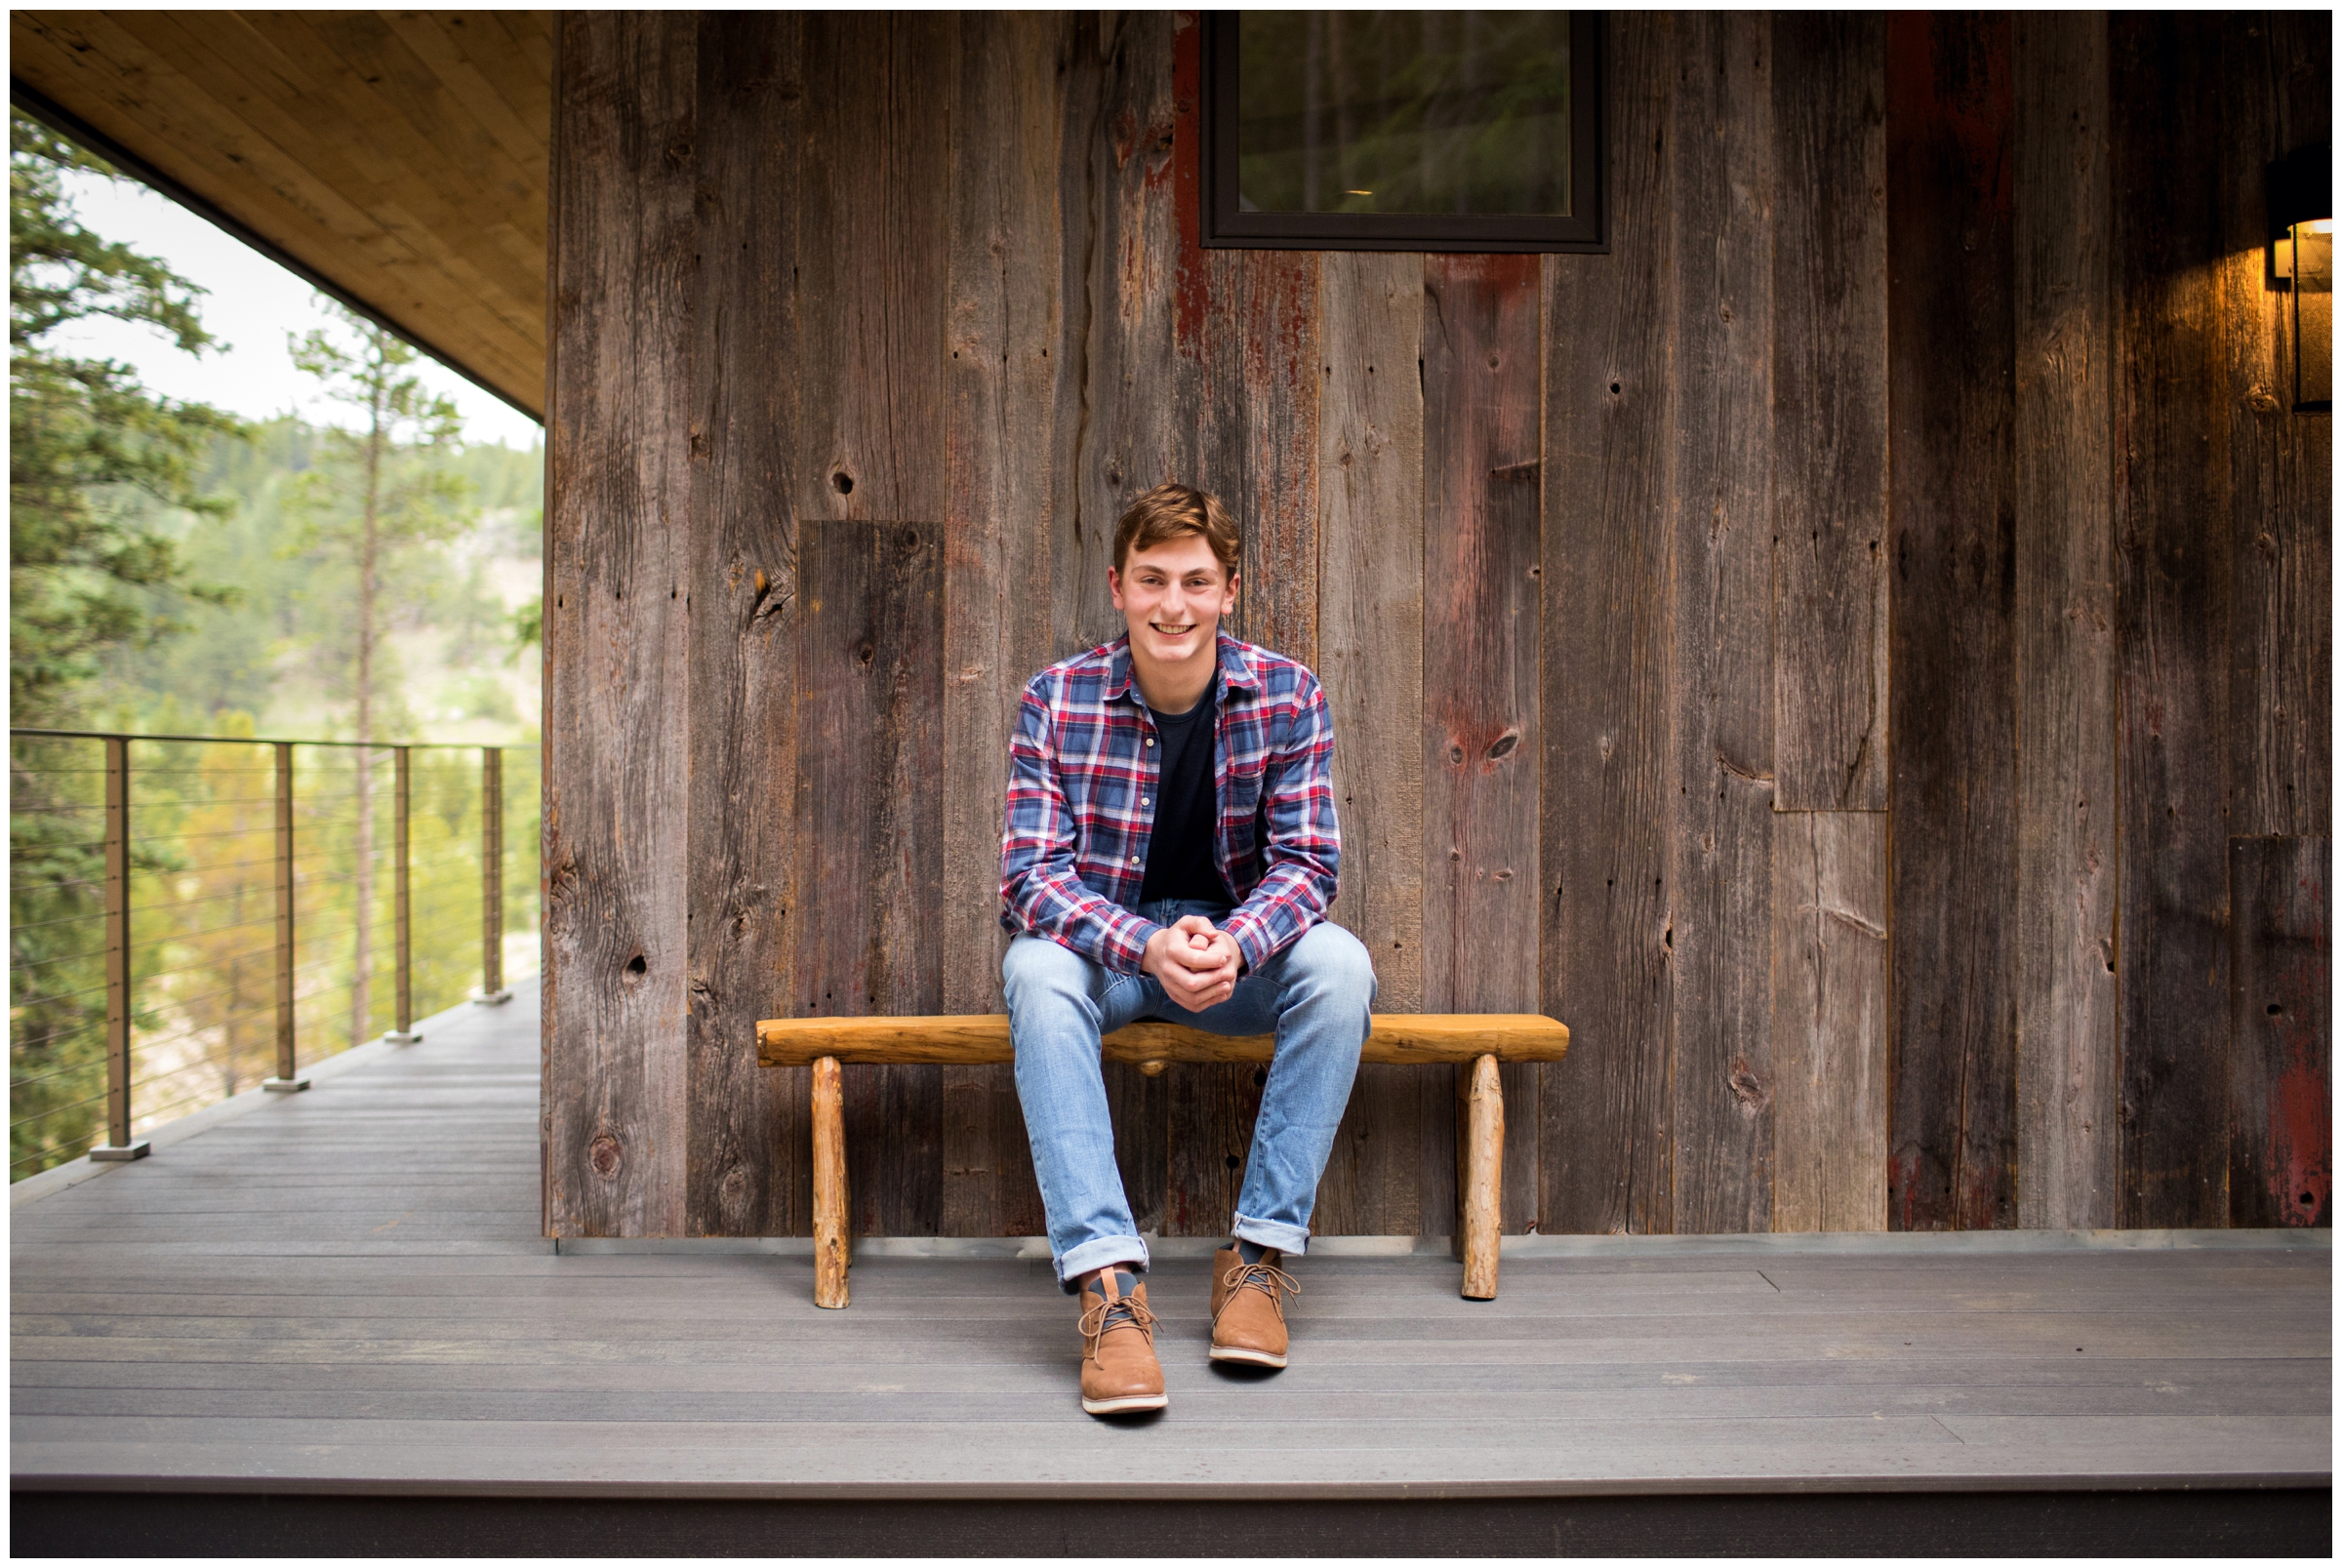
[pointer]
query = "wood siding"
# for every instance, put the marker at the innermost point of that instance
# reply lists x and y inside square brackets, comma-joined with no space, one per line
[1856,652]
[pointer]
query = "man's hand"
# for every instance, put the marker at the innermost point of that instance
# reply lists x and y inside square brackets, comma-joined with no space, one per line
[1195,963]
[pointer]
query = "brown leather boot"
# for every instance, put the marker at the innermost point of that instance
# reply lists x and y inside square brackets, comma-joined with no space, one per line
[1248,1311]
[1119,1373]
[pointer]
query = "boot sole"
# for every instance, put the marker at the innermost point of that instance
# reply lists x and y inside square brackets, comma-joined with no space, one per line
[1255,1358]
[1126,1404]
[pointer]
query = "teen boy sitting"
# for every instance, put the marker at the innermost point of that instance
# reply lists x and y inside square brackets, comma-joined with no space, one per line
[1170,851]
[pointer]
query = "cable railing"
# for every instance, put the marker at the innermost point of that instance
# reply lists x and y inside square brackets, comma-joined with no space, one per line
[194,915]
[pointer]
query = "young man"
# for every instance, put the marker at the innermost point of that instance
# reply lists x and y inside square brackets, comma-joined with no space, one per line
[1170,852]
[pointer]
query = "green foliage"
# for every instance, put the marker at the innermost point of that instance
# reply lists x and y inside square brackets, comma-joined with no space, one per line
[377,495]
[90,448]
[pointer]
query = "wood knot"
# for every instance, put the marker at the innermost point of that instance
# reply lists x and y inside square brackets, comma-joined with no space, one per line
[634,972]
[842,482]
[605,1155]
[1502,747]
[865,654]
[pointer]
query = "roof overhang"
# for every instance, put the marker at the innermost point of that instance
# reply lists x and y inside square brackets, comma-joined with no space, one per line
[395,159]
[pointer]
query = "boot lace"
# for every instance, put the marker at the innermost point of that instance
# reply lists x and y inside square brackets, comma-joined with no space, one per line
[1125,1312]
[1261,1276]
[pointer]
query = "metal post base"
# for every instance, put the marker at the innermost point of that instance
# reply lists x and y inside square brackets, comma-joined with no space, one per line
[408,1038]
[284,1086]
[493,998]
[109,1153]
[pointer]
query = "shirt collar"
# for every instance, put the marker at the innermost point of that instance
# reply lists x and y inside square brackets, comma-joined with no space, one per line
[1237,672]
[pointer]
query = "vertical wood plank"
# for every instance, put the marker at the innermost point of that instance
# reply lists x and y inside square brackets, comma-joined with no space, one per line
[2278,77]
[1830,271]
[1951,333]
[2068,1052]
[2172,503]
[870,264]
[869,844]
[1248,331]
[616,627]
[1720,854]
[1118,170]
[1830,1020]
[747,1122]
[1210,1115]
[1370,647]
[1006,485]
[1480,618]
[2281,1059]
[1605,817]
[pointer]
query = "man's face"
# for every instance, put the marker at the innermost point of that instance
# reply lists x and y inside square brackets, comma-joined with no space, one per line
[1173,595]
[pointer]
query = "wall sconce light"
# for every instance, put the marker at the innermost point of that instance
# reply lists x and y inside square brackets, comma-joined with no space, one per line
[2301,267]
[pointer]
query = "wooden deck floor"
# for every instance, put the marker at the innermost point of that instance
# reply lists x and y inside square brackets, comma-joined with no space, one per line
[345,1291]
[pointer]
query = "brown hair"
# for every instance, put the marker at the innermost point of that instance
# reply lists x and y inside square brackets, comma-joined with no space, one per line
[1174,511]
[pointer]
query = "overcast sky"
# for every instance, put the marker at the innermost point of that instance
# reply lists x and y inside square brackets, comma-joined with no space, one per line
[254,307]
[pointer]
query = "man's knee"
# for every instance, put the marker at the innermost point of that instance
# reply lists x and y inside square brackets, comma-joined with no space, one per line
[1333,962]
[1037,970]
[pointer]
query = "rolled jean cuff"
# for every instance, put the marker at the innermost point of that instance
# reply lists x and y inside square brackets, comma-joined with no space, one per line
[1286,1238]
[1097,1254]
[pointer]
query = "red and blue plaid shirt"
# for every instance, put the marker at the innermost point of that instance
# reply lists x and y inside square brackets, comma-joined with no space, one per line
[1083,766]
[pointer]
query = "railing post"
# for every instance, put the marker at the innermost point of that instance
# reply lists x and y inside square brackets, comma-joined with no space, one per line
[287,1079]
[492,878]
[117,1144]
[402,897]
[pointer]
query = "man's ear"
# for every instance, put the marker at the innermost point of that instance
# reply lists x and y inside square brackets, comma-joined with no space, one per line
[1114,586]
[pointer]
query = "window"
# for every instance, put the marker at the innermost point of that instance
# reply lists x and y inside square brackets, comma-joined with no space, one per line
[1403,130]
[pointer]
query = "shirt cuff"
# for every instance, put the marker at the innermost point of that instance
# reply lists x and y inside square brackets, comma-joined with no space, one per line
[1126,939]
[1251,936]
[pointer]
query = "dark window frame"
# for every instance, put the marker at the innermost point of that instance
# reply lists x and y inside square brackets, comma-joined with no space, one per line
[1224,227]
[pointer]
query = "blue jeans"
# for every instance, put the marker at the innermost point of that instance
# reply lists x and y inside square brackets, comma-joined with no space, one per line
[1316,995]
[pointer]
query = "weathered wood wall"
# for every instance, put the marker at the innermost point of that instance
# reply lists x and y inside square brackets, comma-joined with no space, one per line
[1857,652]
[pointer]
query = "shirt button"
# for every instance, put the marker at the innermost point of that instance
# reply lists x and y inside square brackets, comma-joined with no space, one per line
[1134,859]
[1143,801]
[1151,740]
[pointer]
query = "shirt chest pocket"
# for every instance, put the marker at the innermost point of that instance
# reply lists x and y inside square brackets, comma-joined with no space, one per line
[1243,788]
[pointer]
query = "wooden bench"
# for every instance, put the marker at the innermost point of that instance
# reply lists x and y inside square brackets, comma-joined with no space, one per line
[1477,1041]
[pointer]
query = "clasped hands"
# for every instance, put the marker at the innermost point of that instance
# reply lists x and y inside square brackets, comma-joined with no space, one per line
[1196,962]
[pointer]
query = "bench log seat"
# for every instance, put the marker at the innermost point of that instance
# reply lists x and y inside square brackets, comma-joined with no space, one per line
[1474,1041]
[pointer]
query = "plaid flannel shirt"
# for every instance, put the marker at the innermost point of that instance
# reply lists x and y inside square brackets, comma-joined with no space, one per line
[1083,763]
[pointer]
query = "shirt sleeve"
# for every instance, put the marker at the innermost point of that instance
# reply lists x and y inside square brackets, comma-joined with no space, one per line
[1304,848]
[1040,891]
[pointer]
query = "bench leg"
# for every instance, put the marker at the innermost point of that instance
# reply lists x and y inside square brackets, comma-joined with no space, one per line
[1479,1175]
[832,1239]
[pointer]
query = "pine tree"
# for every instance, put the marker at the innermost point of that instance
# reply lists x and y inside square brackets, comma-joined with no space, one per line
[376,494]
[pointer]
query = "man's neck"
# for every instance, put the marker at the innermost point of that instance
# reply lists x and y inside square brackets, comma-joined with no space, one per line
[1175,688]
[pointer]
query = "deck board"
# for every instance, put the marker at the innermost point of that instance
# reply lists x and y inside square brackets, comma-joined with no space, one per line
[347,1290]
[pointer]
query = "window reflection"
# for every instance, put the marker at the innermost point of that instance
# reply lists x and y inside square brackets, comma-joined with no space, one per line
[1404,112]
